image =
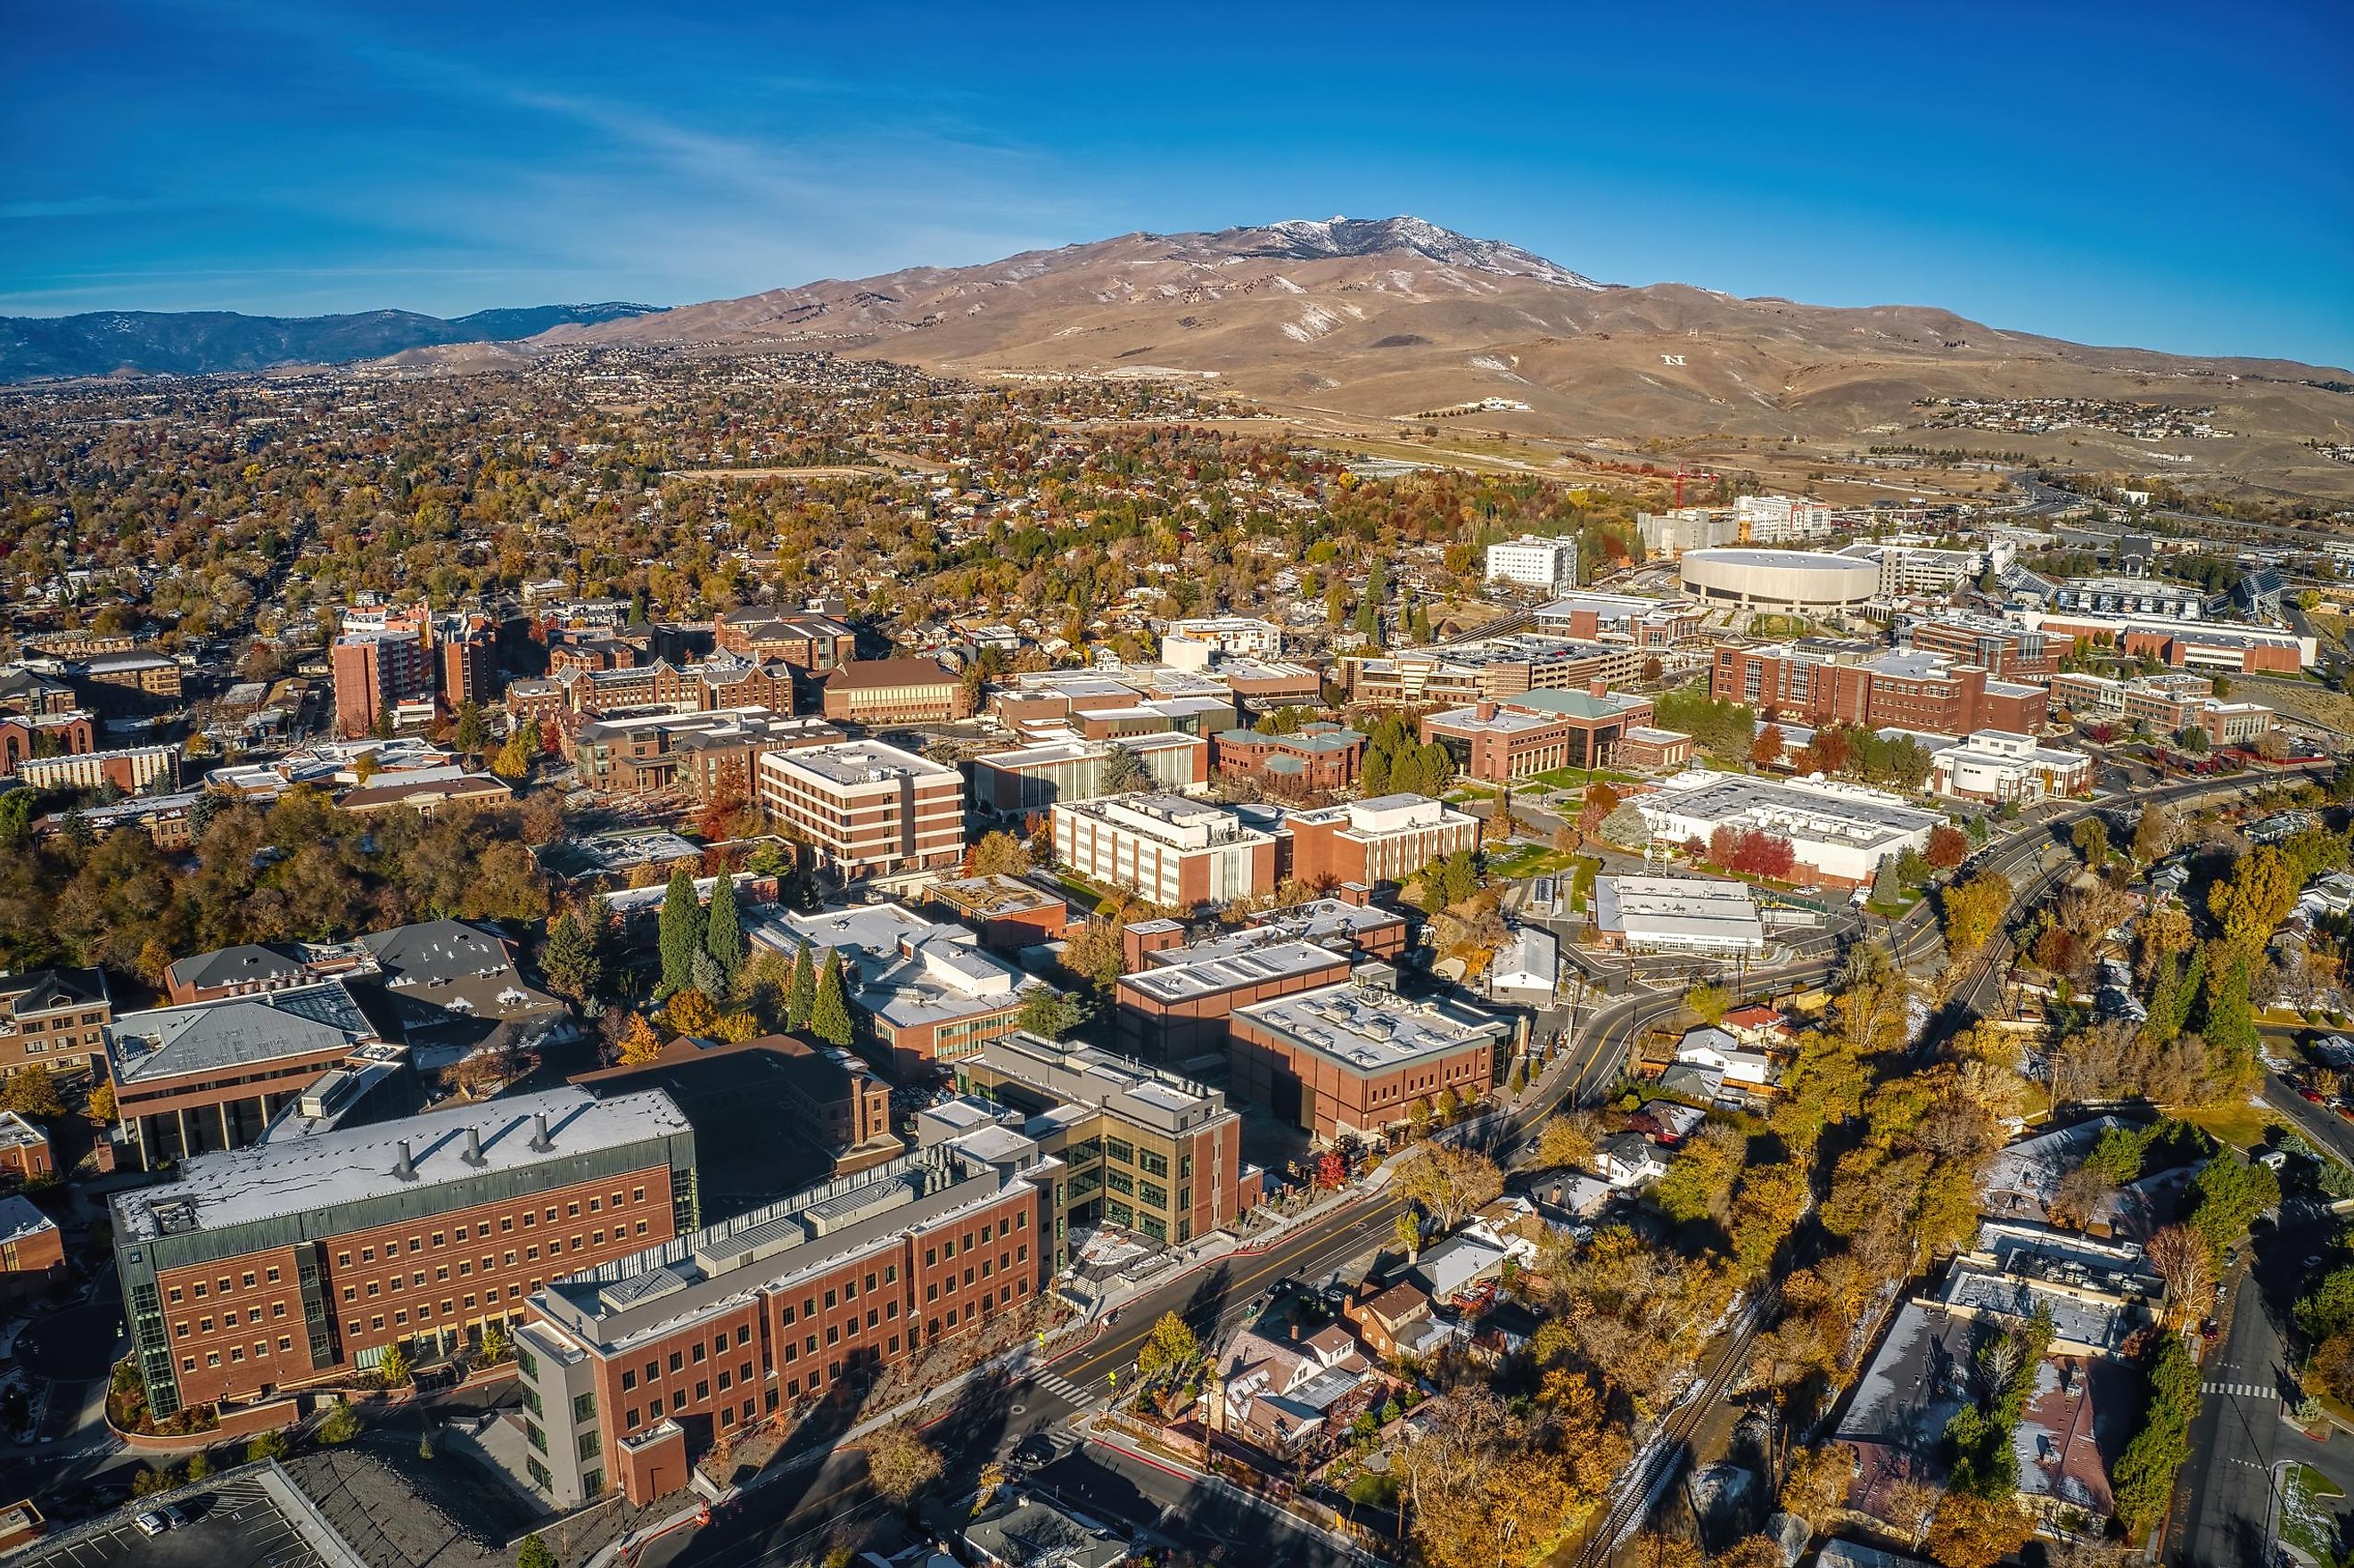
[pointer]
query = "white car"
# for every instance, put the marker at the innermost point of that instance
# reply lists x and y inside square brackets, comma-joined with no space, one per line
[156,1521]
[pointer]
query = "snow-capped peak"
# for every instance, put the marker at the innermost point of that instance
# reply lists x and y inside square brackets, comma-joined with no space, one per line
[1309,239]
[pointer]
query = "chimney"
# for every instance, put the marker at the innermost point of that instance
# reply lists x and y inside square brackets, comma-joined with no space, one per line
[402,1167]
[473,1155]
[540,1142]
[1486,710]
[1598,688]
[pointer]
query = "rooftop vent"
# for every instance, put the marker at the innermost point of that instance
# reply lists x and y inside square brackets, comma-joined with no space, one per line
[403,1167]
[540,1142]
[473,1155]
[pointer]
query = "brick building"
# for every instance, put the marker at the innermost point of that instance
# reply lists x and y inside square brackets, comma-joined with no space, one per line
[1386,839]
[632,1369]
[1318,758]
[32,1250]
[1176,1006]
[24,1149]
[23,736]
[866,809]
[1493,669]
[209,1076]
[1176,852]
[53,1018]
[1358,1058]
[816,644]
[1497,741]
[926,990]
[376,672]
[2167,704]
[1917,691]
[895,691]
[1010,914]
[302,1260]
[2002,648]
[706,756]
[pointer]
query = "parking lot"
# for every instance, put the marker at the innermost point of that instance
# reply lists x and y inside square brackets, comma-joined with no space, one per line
[240,1523]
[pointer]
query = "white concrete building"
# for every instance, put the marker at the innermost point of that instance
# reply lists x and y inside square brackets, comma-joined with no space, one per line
[1233,634]
[1177,853]
[1780,519]
[1677,915]
[1547,565]
[2000,765]
[1838,833]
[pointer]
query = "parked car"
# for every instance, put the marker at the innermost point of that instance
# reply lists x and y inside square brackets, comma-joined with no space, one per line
[156,1521]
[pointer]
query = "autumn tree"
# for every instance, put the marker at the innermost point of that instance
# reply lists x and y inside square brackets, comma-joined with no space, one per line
[2180,1255]
[1708,1002]
[1568,1139]
[1948,846]
[1451,1184]
[1765,750]
[2091,838]
[1974,911]
[690,1012]
[1000,854]
[899,1463]
[1700,1184]
[1050,1013]
[639,1044]
[1172,1350]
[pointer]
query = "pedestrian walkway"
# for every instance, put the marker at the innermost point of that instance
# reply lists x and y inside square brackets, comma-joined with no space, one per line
[2241,1390]
[1055,1383]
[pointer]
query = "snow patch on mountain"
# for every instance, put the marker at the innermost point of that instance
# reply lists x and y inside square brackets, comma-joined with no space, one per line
[1305,240]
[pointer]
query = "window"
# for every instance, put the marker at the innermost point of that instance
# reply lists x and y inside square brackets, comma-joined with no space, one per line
[698,1353]
[744,1335]
[534,1436]
[726,1380]
[584,1406]
[587,1446]
[677,1361]
[629,1381]
[1152,1164]
[1119,1149]
[702,1389]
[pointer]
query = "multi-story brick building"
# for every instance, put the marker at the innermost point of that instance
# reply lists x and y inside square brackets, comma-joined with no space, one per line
[1922,691]
[1317,758]
[866,809]
[53,1018]
[24,1149]
[1175,1008]
[1148,1152]
[23,736]
[209,1076]
[305,1258]
[708,755]
[374,673]
[126,683]
[895,691]
[1499,742]
[1177,853]
[2168,705]
[32,1250]
[816,644]
[1356,1057]
[633,1367]
[1652,625]
[1387,839]
[2003,648]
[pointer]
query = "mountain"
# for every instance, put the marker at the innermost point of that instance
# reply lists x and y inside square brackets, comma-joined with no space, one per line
[200,343]
[1370,322]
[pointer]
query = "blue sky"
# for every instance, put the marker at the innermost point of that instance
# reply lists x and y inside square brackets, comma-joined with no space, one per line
[2168,175]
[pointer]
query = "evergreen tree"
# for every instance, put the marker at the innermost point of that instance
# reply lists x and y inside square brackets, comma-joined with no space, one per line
[723,932]
[830,1011]
[570,961]
[473,731]
[1123,771]
[2166,1008]
[383,727]
[801,990]
[681,929]
[1883,882]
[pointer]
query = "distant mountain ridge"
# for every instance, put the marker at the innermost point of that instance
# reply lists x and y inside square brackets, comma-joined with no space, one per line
[204,343]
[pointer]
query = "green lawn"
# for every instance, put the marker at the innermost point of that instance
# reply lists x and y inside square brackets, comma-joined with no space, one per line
[2235,1122]
[1521,861]
[1577,778]
[2308,1523]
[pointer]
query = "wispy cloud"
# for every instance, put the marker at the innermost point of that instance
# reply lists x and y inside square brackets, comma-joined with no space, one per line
[79,207]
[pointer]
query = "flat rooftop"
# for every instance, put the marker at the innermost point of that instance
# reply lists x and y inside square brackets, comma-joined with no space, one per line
[1367,1030]
[854,763]
[214,1191]
[1677,908]
[1227,963]
[235,1032]
[1073,1073]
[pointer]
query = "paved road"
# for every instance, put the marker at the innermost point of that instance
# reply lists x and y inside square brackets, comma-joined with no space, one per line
[2234,1442]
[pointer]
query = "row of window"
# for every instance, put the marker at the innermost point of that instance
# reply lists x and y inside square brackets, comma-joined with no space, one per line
[481,1232]
[236,1354]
